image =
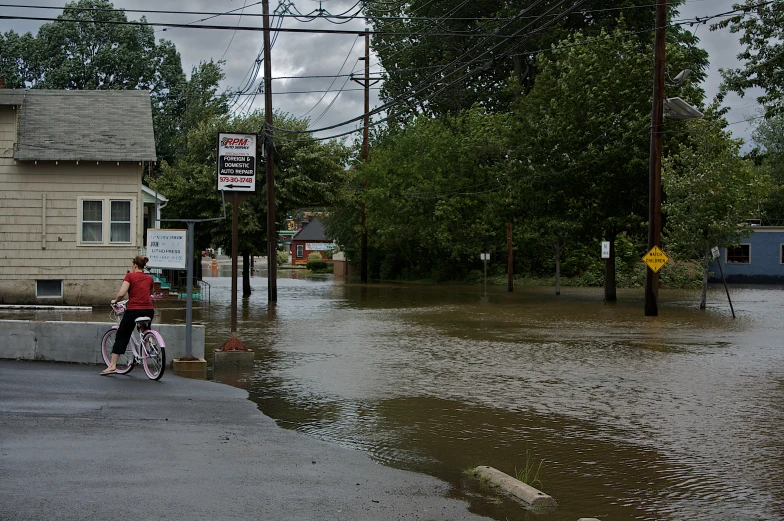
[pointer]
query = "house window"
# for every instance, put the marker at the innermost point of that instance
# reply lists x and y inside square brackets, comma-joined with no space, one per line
[739,254]
[92,221]
[300,251]
[48,288]
[120,223]
[106,221]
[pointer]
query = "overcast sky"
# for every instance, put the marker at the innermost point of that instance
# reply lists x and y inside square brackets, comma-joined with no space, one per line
[297,54]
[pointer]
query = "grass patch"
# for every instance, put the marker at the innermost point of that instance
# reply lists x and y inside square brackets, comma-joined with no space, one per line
[529,474]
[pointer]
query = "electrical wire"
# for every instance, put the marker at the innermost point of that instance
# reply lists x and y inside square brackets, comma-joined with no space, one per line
[234,33]
[348,55]
[388,105]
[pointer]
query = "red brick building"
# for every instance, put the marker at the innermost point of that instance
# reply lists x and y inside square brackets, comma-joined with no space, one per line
[310,238]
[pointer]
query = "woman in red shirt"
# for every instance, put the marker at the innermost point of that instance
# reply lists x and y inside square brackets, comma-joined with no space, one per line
[137,285]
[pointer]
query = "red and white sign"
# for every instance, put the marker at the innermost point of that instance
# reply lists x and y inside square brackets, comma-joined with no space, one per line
[237,162]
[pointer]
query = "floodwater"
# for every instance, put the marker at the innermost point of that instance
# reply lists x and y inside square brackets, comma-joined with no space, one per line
[676,417]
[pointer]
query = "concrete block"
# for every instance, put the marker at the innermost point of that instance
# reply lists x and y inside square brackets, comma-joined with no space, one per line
[190,368]
[514,487]
[232,360]
[80,342]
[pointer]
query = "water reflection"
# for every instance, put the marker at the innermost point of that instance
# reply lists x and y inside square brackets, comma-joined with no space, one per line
[675,417]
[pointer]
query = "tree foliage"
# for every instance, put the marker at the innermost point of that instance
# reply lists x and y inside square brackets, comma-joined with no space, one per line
[583,149]
[710,192]
[429,198]
[443,56]
[307,174]
[761,30]
[769,157]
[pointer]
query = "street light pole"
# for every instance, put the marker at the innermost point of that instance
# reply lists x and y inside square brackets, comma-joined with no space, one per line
[654,172]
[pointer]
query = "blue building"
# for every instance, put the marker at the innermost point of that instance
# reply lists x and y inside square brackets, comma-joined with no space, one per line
[758,259]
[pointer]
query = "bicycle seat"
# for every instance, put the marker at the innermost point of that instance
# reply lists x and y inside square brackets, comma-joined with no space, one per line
[143,322]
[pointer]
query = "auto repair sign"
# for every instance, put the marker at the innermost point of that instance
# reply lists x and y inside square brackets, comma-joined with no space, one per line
[237,162]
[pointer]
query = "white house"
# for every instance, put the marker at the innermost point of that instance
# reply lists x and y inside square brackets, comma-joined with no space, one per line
[71,201]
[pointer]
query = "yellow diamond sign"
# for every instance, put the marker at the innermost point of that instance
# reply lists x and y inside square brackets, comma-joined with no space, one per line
[655,259]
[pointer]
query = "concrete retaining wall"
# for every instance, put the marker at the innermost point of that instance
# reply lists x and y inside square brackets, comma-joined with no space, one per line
[80,342]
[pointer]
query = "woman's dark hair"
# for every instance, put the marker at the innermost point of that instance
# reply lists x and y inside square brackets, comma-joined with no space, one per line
[141,261]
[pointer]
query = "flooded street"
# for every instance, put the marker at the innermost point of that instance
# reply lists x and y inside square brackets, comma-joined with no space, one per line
[676,417]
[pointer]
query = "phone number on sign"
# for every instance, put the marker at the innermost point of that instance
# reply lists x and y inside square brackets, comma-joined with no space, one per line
[226,179]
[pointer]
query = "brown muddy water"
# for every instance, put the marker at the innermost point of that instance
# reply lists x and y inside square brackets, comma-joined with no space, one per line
[676,417]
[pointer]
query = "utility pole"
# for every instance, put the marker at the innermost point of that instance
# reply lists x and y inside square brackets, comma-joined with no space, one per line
[269,163]
[654,172]
[366,82]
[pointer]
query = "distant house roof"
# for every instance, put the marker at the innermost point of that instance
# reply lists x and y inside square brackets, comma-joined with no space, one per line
[313,231]
[89,125]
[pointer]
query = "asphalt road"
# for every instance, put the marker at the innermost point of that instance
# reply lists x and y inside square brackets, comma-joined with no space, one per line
[78,446]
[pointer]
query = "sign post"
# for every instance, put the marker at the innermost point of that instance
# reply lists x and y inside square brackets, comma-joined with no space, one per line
[167,249]
[717,256]
[237,155]
[485,257]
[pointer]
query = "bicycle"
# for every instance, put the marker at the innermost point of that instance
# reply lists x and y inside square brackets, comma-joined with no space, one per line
[146,346]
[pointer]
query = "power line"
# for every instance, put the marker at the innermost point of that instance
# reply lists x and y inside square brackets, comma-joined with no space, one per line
[394,102]
[323,14]
[423,86]
[348,55]
[230,27]
[234,33]
[420,87]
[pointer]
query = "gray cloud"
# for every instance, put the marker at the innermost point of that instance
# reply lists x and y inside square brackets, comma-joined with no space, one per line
[723,48]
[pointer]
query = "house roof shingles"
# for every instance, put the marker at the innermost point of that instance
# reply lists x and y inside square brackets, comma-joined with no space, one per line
[313,231]
[72,125]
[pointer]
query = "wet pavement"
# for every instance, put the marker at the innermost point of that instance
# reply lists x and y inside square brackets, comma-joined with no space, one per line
[78,446]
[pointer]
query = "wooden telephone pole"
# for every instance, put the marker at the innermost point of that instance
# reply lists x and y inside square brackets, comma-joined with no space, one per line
[654,172]
[366,82]
[269,163]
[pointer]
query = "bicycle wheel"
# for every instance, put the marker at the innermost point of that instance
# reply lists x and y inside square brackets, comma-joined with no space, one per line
[125,362]
[153,356]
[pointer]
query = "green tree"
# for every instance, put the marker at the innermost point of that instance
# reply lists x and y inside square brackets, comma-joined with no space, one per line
[761,29]
[710,192]
[583,137]
[443,56]
[307,173]
[429,198]
[769,157]
[16,64]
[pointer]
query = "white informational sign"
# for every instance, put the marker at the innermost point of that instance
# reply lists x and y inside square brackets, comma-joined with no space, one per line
[484,256]
[237,162]
[605,249]
[715,252]
[167,248]
[319,246]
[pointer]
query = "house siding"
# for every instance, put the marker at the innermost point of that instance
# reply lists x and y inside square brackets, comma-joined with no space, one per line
[39,224]
[765,265]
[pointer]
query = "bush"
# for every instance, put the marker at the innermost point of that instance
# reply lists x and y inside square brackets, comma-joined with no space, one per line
[318,266]
[315,256]
[282,258]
